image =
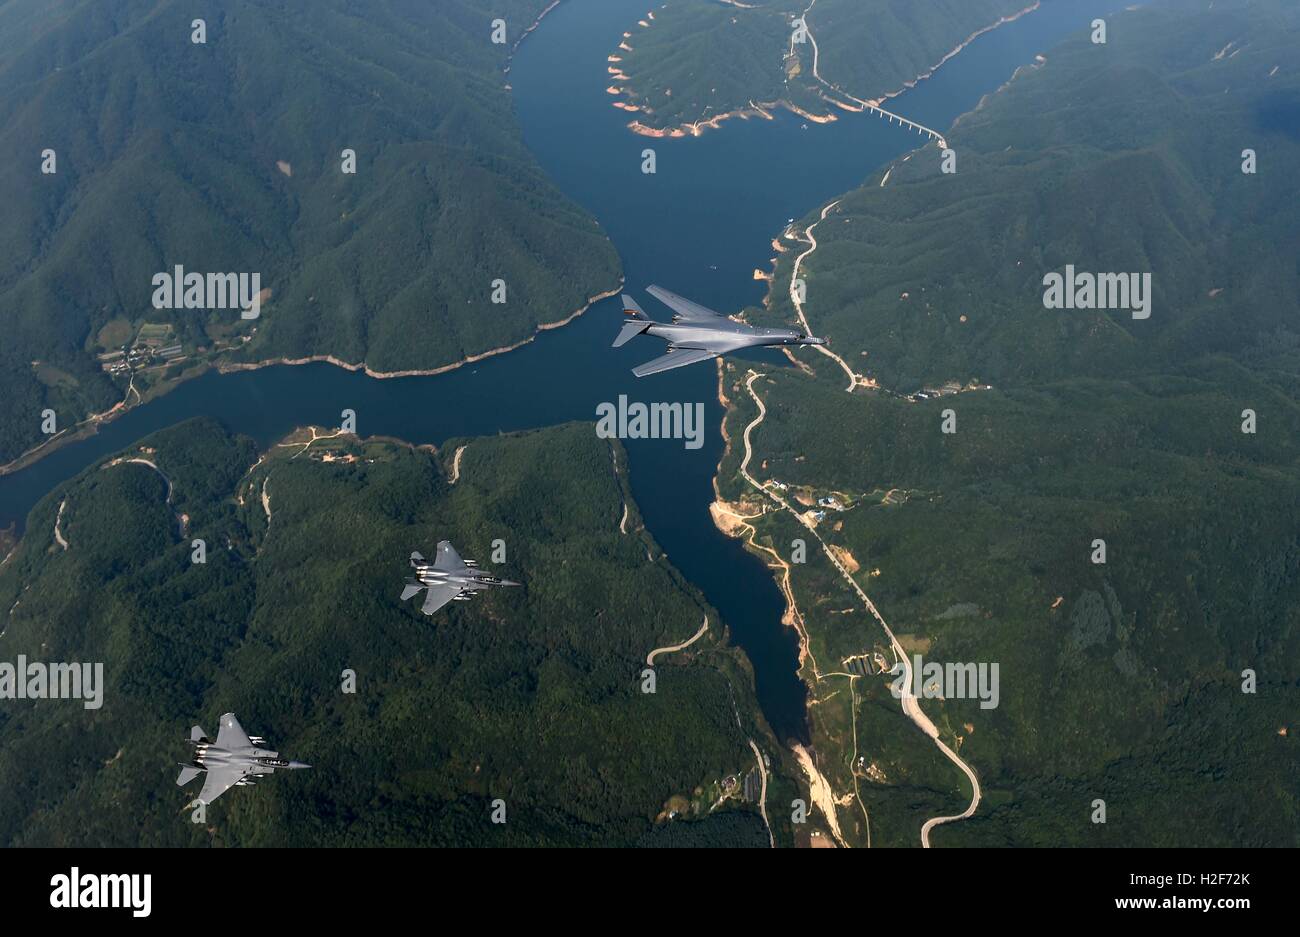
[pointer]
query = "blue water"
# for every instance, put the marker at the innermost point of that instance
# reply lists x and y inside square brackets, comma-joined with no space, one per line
[699,226]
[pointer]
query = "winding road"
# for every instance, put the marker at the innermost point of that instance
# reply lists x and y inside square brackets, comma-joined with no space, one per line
[58,519]
[455,465]
[762,794]
[137,460]
[855,380]
[673,648]
[911,705]
[872,106]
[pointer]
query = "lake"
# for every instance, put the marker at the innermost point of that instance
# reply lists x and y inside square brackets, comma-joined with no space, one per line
[699,226]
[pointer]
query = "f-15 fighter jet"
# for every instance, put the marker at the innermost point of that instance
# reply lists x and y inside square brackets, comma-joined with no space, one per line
[233,760]
[697,333]
[448,577]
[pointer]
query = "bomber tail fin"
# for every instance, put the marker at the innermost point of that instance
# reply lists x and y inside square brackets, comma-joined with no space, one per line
[630,331]
[632,309]
[636,324]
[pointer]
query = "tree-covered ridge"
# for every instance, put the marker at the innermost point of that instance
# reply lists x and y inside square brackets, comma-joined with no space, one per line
[878,47]
[531,695]
[227,157]
[1123,681]
[1127,165]
[696,60]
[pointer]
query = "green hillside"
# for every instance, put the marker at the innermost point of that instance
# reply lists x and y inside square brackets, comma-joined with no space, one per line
[226,157]
[1120,681]
[698,59]
[530,695]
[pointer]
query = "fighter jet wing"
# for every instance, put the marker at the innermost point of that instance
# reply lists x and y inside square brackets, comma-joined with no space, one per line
[439,595]
[231,735]
[686,310]
[448,559]
[218,781]
[677,358]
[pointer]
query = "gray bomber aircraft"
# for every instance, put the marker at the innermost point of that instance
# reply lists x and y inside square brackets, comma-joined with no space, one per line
[697,333]
[448,577]
[232,760]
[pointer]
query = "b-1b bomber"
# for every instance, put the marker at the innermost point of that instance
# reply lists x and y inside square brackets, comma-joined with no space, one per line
[698,333]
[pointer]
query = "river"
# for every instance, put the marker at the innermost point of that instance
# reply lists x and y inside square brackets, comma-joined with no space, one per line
[699,226]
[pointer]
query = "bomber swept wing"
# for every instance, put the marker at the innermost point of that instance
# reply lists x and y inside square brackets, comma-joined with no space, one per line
[677,358]
[683,309]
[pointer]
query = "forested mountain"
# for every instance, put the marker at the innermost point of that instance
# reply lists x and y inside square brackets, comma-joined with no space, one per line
[227,156]
[1174,439]
[694,60]
[531,695]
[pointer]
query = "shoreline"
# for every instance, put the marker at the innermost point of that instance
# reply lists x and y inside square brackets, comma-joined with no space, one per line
[510,56]
[763,109]
[791,618]
[961,47]
[524,35]
[231,367]
[89,426]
